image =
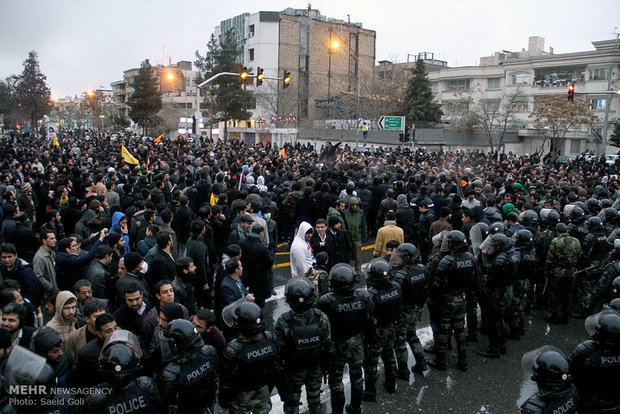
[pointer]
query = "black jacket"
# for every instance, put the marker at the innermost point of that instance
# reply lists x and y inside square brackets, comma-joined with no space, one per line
[161,267]
[257,260]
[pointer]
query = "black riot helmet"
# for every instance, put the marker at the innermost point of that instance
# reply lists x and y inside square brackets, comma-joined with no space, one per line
[548,367]
[549,217]
[614,305]
[458,242]
[342,279]
[593,205]
[249,318]
[583,206]
[182,336]
[523,238]
[378,271]
[610,215]
[300,294]
[615,287]
[595,223]
[529,219]
[604,327]
[408,252]
[496,243]
[577,215]
[497,228]
[605,203]
[119,359]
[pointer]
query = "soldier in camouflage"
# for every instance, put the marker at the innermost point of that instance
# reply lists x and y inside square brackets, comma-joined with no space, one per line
[455,273]
[595,250]
[350,313]
[434,296]
[386,297]
[306,347]
[603,290]
[560,267]
[414,281]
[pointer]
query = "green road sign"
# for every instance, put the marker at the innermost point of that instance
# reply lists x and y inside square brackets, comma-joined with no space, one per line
[392,123]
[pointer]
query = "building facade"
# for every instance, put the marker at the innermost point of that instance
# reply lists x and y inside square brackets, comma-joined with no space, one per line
[301,41]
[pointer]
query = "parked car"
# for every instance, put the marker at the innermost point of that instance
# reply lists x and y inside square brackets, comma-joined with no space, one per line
[611,159]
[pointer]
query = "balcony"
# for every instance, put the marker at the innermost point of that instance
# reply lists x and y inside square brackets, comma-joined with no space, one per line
[559,77]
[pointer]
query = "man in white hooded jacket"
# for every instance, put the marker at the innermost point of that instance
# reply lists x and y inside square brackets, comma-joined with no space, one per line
[302,258]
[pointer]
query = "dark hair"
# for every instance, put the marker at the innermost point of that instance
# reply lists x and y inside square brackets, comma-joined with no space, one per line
[103,251]
[8,248]
[18,309]
[197,226]
[258,229]
[65,244]
[162,239]
[469,213]
[103,319]
[154,229]
[166,216]
[161,283]
[51,214]
[7,296]
[232,264]
[132,287]
[322,258]
[93,305]
[82,283]
[148,214]
[233,250]
[392,244]
[182,263]
[10,283]
[321,221]
[45,234]
[207,316]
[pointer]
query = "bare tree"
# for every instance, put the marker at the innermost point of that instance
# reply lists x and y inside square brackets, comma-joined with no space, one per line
[494,116]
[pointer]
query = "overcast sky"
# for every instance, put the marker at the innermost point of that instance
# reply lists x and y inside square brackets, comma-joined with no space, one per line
[85,44]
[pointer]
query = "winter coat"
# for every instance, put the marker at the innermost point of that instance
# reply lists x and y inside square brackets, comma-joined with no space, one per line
[257,261]
[61,326]
[302,258]
[43,266]
[385,234]
[116,218]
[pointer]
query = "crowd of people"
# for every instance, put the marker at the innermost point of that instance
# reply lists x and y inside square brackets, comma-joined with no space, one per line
[147,281]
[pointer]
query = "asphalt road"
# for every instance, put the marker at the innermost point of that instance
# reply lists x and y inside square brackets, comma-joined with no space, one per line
[490,386]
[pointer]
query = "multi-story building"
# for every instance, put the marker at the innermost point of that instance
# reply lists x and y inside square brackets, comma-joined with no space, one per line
[176,84]
[525,77]
[326,58]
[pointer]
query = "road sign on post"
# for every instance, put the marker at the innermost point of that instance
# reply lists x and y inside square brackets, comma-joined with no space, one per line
[392,123]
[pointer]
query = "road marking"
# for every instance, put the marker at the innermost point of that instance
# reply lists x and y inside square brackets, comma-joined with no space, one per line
[371,246]
[282,253]
[279,265]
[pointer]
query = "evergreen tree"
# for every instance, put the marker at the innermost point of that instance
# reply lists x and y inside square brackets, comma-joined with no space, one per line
[145,101]
[32,92]
[230,99]
[419,107]
[614,139]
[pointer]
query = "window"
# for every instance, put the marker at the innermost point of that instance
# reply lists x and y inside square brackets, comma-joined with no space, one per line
[491,106]
[520,107]
[251,30]
[252,104]
[459,85]
[600,73]
[493,83]
[575,146]
[251,52]
[521,79]
[434,87]
[304,47]
[455,108]
[598,104]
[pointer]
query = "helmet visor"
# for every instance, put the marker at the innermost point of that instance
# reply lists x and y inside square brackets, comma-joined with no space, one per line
[123,337]
[24,367]
[528,361]
[229,312]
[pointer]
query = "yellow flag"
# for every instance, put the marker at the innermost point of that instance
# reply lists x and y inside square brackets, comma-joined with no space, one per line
[127,157]
[158,139]
[283,152]
[55,142]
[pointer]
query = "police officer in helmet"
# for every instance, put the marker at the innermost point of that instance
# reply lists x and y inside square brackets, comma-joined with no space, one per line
[548,367]
[350,313]
[455,273]
[250,363]
[189,381]
[306,347]
[120,364]
[595,364]
[414,281]
[387,299]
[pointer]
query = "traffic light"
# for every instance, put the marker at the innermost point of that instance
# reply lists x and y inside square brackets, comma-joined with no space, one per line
[244,74]
[286,79]
[406,136]
[259,77]
[571,92]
